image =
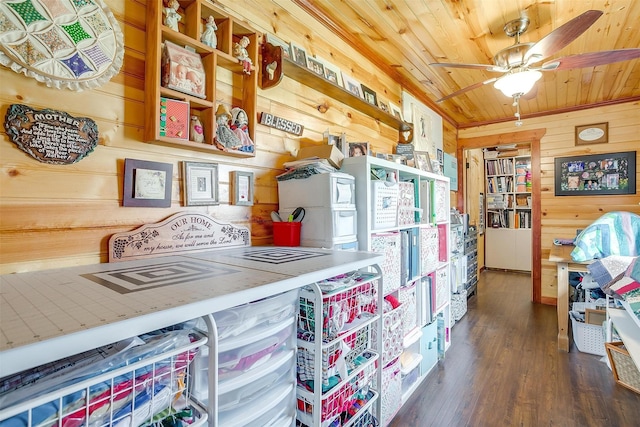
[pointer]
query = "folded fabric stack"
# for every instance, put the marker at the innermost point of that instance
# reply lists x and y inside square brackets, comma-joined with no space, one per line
[619,277]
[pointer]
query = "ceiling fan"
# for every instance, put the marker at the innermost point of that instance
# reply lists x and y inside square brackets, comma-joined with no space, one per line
[517,61]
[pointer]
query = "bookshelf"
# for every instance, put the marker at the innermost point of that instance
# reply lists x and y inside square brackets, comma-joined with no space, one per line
[508,207]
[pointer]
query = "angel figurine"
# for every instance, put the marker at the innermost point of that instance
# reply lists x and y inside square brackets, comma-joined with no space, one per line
[209,36]
[171,15]
[225,138]
[241,53]
[240,126]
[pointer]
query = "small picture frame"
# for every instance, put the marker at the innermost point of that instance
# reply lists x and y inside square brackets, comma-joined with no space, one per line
[369,95]
[315,66]
[147,184]
[331,72]
[241,188]
[200,183]
[353,86]
[299,55]
[384,106]
[358,149]
[395,111]
[422,161]
[276,41]
[597,133]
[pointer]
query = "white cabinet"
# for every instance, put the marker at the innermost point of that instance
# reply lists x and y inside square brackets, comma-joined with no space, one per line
[403,214]
[509,249]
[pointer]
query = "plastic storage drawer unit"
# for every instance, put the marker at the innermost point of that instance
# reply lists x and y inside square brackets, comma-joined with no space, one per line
[328,190]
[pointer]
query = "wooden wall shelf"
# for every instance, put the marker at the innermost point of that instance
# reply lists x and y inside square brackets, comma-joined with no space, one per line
[308,78]
[192,24]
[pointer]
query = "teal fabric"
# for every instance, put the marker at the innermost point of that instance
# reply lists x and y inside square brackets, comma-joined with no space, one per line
[614,233]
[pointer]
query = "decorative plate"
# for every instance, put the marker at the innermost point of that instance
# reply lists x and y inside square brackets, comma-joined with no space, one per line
[73,44]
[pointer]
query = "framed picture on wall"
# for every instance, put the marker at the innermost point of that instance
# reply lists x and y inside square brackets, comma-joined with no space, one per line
[242,188]
[147,184]
[597,174]
[200,183]
[299,55]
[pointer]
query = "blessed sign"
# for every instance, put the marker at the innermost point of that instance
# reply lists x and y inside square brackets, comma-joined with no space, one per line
[51,136]
[281,124]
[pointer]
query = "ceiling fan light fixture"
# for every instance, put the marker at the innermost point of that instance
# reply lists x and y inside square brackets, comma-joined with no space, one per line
[517,83]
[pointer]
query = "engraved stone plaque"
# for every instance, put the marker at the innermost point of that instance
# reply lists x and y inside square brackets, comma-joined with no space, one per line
[51,136]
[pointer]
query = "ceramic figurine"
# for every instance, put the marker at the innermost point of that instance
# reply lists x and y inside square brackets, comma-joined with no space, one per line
[225,138]
[196,132]
[209,36]
[240,126]
[171,15]
[241,53]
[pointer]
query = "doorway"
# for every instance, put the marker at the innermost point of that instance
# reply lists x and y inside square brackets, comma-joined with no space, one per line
[532,137]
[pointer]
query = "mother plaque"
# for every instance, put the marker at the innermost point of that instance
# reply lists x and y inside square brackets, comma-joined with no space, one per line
[51,136]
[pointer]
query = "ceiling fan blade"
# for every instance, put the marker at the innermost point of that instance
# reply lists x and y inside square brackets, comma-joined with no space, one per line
[561,36]
[485,67]
[467,89]
[592,59]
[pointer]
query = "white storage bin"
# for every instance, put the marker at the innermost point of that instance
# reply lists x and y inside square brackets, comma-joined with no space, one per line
[384,200]
[410,379]
[244,358]
[243,391]
[241,319]
[279,400]
[327,225]
[588,338]
[240,355]
[334,190]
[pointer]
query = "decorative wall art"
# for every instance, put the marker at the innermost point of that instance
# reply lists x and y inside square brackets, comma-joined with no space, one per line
[147,184]
[422,131]
[315,66]
[72,44]
[331,72]
[51,136]
[358,149]
[299,55]
[592,134]
[182,232]
[422,161]
[182,70]
[200,183]
[598,174]
[369,95]
[353,86]
[242,188]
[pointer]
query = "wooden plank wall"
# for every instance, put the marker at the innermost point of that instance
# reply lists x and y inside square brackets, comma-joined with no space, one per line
[563,215]
[56,216]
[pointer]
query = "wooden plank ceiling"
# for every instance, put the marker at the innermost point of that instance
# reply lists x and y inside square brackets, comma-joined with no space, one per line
[405,36]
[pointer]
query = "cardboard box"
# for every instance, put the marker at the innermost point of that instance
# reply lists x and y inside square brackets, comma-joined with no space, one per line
[329,153]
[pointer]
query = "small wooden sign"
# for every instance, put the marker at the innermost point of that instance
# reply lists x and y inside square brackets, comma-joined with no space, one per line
[281,124]
[51,136]
[179,234]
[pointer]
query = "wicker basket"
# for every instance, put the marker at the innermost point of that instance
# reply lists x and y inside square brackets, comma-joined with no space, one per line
[624,369]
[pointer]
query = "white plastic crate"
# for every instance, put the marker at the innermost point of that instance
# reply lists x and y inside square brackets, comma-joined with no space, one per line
[588,338]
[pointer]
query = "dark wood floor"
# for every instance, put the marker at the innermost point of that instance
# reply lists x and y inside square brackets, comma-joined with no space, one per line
[503,369]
